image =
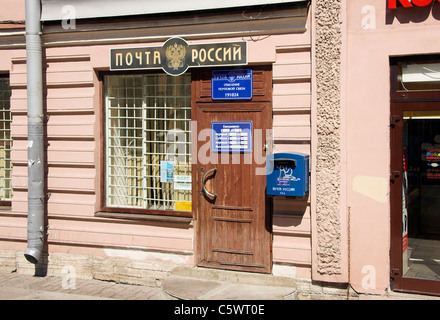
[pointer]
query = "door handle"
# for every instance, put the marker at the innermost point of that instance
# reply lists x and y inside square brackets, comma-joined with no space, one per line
[204,182]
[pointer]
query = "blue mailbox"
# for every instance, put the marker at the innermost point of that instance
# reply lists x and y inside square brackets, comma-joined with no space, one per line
[287,174]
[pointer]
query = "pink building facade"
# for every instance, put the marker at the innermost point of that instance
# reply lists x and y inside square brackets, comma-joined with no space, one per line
[134,188]
[391,95]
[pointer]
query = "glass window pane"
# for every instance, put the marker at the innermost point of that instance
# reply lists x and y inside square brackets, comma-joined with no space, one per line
[147,144]
[419,75]
[421,195]
[5,141]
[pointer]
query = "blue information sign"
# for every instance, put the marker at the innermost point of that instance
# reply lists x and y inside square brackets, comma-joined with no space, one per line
[232,84]
[231,136]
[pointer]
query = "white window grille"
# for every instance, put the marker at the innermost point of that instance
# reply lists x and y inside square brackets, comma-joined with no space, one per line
[5,141]
[148,119]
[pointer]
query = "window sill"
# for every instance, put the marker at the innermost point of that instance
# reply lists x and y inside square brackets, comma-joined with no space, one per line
[5,207]
[143,217]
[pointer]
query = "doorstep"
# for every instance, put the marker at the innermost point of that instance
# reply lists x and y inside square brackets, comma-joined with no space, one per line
[193,283]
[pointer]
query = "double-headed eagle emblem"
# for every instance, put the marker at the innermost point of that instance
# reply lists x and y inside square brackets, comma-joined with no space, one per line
[175,54]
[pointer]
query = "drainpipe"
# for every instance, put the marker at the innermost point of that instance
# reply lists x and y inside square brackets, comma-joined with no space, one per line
[35,118]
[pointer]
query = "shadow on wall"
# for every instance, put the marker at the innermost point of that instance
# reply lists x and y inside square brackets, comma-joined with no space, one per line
[290,213]
[413,15]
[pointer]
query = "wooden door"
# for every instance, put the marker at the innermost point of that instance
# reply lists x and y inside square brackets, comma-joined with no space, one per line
[232,212]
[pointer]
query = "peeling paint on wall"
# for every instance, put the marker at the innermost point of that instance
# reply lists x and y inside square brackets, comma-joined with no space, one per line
[376,188]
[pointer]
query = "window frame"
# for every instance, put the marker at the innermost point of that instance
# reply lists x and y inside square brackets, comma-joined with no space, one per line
[127,212]
[3,201]
[397,95]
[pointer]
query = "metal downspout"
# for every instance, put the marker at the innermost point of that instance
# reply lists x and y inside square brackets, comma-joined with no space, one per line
[35,118]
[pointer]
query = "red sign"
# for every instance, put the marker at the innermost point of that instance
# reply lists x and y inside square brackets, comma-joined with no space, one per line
[392,4]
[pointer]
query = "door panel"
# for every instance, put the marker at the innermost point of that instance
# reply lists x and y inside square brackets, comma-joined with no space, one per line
[233,228]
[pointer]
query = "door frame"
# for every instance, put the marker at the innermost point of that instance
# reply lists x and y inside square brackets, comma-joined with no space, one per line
[400,102]
[262,95]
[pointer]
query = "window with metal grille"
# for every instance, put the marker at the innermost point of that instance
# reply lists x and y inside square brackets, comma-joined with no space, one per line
[5,140]
[147,143]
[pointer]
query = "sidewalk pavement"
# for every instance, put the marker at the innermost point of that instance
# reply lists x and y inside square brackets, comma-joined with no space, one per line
[15,286]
